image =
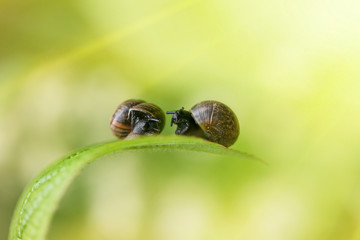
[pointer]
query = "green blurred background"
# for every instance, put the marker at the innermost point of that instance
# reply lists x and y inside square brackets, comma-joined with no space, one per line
[289,70]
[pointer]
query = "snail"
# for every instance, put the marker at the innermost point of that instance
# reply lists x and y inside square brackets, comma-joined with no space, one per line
[210,120]
[136,117]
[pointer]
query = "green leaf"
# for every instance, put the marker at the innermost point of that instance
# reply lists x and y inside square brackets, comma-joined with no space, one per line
[39,200]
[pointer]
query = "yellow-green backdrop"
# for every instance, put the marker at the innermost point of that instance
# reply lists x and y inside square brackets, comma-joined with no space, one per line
[290,70]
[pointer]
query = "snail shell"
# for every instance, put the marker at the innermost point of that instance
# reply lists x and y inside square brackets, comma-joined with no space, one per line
[218,122]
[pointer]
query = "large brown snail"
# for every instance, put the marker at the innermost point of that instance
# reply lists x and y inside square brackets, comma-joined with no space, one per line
[211,120]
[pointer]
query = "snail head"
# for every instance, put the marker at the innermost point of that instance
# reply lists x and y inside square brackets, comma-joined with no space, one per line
[177,117]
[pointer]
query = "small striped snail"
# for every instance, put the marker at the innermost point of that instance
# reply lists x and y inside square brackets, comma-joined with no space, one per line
[135,118]
[210,120]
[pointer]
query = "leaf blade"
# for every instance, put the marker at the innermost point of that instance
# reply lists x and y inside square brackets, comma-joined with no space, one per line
[40,199]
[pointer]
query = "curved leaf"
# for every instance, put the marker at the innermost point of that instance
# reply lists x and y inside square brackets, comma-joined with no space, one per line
[39,200]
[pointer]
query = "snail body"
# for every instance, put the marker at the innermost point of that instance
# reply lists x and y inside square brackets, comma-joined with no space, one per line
[211,120]
[135,118]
